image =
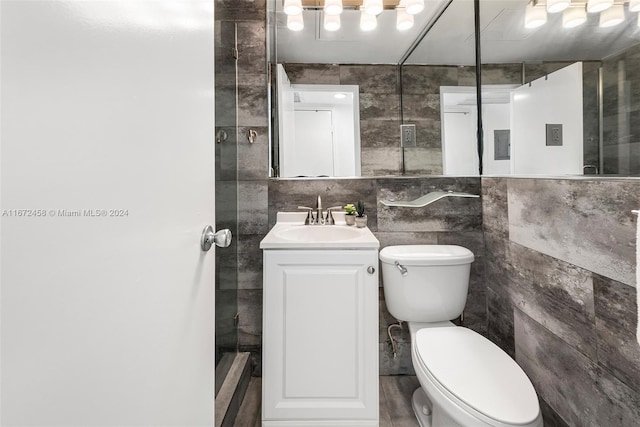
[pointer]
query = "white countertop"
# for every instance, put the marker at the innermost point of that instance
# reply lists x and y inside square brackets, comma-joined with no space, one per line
[287,222]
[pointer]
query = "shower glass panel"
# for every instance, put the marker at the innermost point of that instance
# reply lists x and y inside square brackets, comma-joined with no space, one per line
[226,87]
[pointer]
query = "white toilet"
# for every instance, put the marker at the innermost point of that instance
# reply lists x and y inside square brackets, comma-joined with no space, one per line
[466,379]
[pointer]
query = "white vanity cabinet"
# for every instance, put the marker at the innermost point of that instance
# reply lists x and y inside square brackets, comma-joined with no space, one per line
[320,338]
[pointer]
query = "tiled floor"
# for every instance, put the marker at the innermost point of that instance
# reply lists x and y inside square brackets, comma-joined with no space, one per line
[395,402]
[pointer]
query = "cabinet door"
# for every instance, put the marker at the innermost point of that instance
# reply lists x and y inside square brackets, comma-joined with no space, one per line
[320,345]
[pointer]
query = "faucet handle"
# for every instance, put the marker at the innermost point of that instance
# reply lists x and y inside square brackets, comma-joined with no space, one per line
[330,220]
[309,220]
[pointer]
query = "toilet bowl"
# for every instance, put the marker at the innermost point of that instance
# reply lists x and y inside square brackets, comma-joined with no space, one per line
[465,379]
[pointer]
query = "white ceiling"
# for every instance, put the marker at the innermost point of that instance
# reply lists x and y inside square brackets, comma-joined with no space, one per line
[349,45]
[327,97]
[451,40]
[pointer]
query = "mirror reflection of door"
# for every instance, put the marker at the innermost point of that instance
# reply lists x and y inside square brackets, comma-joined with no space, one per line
[312,151]
[318,129]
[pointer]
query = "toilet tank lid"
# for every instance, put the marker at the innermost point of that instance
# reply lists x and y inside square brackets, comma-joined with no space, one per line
[426,255]
[479,373]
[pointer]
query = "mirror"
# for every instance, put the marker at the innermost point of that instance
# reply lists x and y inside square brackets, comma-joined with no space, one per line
[440,69]
[560,98]
[369,60]
[575,106]
[319,129]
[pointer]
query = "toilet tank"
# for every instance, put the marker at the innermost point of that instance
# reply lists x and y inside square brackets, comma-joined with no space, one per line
[425,283]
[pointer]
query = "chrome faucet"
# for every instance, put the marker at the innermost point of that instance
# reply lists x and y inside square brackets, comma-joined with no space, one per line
[319,215]
[319,218]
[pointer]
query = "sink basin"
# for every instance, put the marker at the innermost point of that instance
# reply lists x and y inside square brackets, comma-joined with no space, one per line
[308,233]
[289,232]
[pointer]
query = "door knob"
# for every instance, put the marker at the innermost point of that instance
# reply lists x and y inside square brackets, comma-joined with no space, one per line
[371,269]
[222,238]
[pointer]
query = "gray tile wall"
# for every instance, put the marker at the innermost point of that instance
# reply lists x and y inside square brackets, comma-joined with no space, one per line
[566,319]
[449,221]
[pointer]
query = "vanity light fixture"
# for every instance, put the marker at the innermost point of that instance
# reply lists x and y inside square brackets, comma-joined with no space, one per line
[414,7]
[594,6]
[404,9]
[612,12]
[333,7]
[331,22]
[292,7]
[574,16]
[374,7]
[295,22]
[555,6]
[535,15]
[612,16]
[404,21]
[368,21]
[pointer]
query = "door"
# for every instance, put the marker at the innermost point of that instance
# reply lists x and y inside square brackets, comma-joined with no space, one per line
[286,125]
[107,183]
[311,153]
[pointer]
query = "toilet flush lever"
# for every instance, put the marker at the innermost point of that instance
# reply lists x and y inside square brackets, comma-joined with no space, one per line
[402,268]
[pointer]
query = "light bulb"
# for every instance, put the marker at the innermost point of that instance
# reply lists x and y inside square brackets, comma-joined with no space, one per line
[368,22]
[534,16]
[332,7]
[634,6]
[595,6]
[612,16]
[555,6]
[574,16]
[295,22]
[414,6]
[331,22]
[292,7]
[374,7]
[404,21]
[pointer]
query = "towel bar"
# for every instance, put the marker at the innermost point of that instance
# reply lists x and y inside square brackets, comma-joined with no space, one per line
[635,212]
[426,199]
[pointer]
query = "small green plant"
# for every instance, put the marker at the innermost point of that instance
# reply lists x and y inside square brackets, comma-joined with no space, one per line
[349,209]
[360,208]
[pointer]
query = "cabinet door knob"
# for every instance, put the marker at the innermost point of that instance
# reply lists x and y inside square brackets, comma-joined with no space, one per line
[371,269]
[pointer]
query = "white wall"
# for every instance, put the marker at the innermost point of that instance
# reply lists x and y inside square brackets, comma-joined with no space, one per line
[459,147]
[557,99]
[344,141]
[286,120]
[494,117]
[312,152]
[295,153]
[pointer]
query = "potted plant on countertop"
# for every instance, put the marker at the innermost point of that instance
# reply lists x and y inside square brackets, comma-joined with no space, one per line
[350,214]
[361,218]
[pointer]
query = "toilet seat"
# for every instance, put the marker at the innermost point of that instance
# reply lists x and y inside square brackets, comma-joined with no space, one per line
[476,375]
